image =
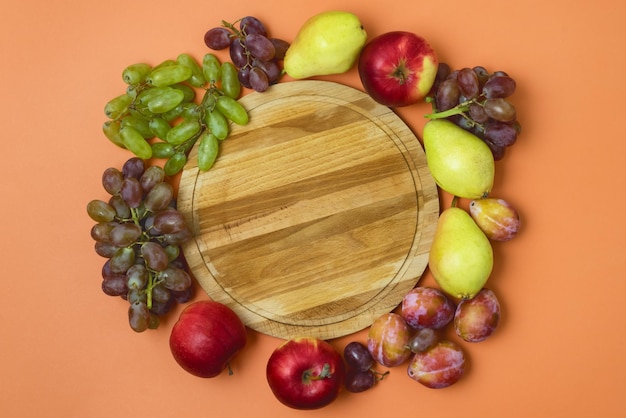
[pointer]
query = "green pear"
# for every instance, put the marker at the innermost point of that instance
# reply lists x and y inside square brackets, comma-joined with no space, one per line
[461,163]
[327,43]
[461,257]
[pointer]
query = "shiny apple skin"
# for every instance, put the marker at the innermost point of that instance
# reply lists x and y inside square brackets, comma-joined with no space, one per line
[206,337]
[388,338]
[497,218]
[427,307]
[477,318]
[295,373]
[439,367]
[397,68]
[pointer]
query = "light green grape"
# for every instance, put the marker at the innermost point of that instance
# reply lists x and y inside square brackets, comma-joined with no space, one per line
[159,127]
[183,131]
[207,151]
[117,106]
[139,123]
[175,163]
[136,73]
[197,77]
[231,86]
[232,109]
[211,68]
[217,123]
[111,129]
[137,144]
[168,75]
[167,99]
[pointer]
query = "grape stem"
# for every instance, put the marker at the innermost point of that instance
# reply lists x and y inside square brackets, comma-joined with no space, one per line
[459,109]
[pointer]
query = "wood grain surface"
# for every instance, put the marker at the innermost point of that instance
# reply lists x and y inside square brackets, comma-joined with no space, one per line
[317,216]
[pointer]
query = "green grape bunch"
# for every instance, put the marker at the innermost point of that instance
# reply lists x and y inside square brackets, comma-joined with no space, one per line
[159,117]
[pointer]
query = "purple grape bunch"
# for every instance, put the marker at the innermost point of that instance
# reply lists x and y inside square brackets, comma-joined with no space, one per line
[479,102]
[257,56]
[139,232]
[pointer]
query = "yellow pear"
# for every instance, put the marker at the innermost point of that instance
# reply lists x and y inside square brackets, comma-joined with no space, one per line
[461,163]
[461,257]
[327,43]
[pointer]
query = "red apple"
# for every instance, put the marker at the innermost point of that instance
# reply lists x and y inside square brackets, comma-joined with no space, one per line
[397,68]
[206,337]
[305,373]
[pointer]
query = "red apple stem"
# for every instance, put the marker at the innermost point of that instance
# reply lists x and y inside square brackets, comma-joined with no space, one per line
[324,374]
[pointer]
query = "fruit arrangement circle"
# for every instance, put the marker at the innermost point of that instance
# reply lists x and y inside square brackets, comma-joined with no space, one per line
[318,215]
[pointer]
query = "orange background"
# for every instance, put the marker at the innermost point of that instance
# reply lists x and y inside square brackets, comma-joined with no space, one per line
[66,349]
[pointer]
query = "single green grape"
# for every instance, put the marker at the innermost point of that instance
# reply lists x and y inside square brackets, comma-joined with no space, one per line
[175,163]
[211,68]
[136,73]
[217,123]
[207,151]
[232,109]
[197,77]
[159,127]
[141,124]
[117,106]
[168,75]
[137,144]
[182,132]
[231,86]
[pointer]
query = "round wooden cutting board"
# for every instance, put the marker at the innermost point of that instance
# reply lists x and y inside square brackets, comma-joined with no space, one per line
[318,215]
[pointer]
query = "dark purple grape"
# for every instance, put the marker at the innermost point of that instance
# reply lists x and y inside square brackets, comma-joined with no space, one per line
[137,276]
[133,167]
[100,211]
[500,109]
[161,308]
[251,25]
[161,294]
[467,81]
[280,47]
[175,279]
[238,53]
[499,86]
[501,134]
[125,234]
[105,249]
[155,256]
[136,295]
[217,38]
[244,77]
[359,381]
[447,95]
[112,180]
[258,79]
[101,232]
[152,176]
[115,286]
[271,68]
[138,316]
[477,113]
[357,356]
[122,210]
[183,296]
[178,238]
[122,260]
[159,197]
[482,74]
[131,192]
[169,221]
[260,47]
[498,151]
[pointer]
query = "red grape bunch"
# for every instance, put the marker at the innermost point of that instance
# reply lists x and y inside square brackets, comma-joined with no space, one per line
[479,102]
[360,375]
[256,55]
[139,232]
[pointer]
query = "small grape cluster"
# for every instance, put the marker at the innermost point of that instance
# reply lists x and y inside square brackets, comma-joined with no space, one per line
[256,55]
[477,101]
[360,374]
[158,115]
[139,232]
